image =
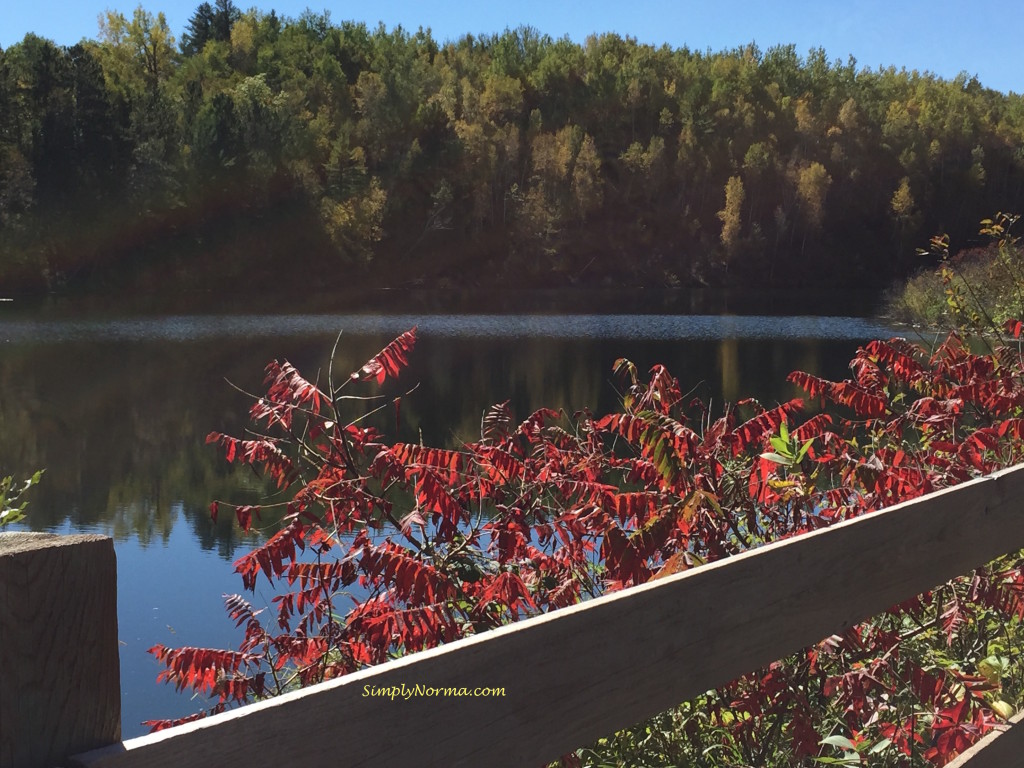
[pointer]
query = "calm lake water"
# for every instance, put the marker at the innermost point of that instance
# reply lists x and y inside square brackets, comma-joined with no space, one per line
[116,405]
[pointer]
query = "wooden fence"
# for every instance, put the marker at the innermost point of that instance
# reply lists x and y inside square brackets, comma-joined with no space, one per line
[566,678]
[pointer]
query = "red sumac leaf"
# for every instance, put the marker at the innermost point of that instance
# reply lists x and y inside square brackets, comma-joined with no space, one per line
[449,466]
[160,725]
[198,668]
[413,581]
[390,360]
[755,430]
[272,557]
[244,515]
[508,590]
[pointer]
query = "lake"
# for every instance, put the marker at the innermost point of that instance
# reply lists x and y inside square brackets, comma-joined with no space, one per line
[115,402]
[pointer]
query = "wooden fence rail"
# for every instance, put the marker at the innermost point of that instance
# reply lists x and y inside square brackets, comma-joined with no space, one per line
[570,677]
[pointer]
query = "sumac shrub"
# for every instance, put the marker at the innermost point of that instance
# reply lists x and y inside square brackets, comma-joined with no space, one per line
[436,544]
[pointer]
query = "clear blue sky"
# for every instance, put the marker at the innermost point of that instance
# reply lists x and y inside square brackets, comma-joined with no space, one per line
[941,36]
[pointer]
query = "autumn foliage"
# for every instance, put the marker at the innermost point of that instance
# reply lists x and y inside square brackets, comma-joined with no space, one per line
[383,548]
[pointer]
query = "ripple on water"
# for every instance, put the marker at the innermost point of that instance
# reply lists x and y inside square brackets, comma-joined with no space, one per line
[652,327]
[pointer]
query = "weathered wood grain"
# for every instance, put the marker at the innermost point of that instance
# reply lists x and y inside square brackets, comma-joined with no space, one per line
[60,680]
[1001,749]
[581,673]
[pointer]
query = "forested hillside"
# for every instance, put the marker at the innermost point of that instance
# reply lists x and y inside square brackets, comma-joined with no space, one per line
[253,148]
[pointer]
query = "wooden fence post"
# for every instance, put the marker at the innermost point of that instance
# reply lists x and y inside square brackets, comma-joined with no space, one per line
[60,675]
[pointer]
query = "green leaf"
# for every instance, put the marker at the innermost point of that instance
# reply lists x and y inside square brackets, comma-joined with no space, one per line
[839,741]
[784,460]
[711,499]
[803,450]
[880,747]
[10,510]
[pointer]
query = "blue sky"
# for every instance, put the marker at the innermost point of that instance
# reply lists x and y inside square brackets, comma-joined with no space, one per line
[941,36]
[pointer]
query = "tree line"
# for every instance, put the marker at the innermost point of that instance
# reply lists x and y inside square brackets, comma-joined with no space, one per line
[263,145]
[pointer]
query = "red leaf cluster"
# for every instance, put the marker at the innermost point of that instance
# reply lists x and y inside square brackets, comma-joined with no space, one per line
[390,360]
[436,543]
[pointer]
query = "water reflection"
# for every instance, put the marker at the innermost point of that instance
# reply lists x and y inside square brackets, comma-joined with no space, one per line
[117,410]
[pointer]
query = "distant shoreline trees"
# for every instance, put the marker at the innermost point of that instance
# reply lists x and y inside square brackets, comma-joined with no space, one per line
[505,158]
